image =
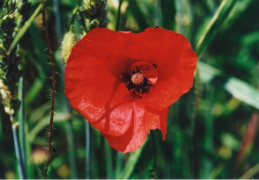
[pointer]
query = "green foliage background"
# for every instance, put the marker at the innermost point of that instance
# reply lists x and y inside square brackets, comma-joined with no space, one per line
[204,140]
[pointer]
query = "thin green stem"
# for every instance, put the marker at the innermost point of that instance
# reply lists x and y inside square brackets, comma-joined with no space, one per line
[88,151]
[21,168]
[69,131]
[73,19]
[22,124]
[109,166]
[158,13]
[57,18]
[154,169]
[71,149]
[82,19]
[66,105]
[179,8]
[119,159]
[251,172]
[195,129]
[196,91]
[130,165]
[118,17]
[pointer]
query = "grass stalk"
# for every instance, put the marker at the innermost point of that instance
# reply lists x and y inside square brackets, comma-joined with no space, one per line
[154,169]
[21,167]
[88,151]
[118,16]
[71,149]
[57,19]
[211,30]
[109,166]
[196,91]
[158,13]
[179,8]
[70,134]
[119,161]
[69,126]
[250,172]
[195,130]
[22,124]
[130,165]
[206,163]
[24,29]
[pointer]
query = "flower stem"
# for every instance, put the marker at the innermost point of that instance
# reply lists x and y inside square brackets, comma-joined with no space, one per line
[118,16]
[88,150]
[154,169]
[196,91]
[53,89]
[195,129]
[21,167]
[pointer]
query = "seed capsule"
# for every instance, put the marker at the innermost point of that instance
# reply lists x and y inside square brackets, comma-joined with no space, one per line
[137,79]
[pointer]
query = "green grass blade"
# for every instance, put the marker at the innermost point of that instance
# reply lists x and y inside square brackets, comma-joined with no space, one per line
[88,150]
[131,163]
[30,165]
[109,164]
[206,162]
[238,9]
[119,162]
[158,19]
[239,89]
[214,25]
[21,167]
[251,172]
[22,135]
[137,10]
[118,16]
[23,30]
[71,149]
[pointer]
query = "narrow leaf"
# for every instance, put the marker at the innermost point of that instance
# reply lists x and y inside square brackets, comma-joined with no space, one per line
[239,89]
[23,30]
[131,163]
[214,25]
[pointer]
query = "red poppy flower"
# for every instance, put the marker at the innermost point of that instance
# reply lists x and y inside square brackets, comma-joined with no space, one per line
[123,83]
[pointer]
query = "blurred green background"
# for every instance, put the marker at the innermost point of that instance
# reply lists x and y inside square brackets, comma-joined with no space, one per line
[212,130]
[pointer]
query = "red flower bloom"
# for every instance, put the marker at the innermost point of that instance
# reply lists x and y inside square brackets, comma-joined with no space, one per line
[123,83]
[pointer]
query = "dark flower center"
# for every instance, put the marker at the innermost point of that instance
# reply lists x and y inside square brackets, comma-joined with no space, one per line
[140,78]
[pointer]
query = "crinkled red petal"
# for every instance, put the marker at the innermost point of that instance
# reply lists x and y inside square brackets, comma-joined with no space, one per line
[89,86]
[142,122]
[175,60]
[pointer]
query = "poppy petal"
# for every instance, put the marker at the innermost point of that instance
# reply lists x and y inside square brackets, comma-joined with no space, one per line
[143,121]
[175,60]
[90,91]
